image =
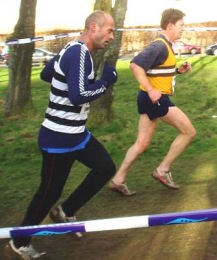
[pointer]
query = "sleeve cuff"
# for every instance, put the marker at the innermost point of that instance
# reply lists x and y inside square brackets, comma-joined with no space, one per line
[177,71]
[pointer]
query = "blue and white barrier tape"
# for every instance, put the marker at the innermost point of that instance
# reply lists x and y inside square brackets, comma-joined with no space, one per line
[64,35]
[40,38]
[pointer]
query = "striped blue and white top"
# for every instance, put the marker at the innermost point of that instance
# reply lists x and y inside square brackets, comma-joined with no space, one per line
[73,86]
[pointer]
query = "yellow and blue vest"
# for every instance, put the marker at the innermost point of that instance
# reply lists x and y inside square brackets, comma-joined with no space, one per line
[162,76]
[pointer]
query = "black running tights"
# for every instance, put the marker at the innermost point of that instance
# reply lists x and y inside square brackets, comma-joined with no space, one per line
[54,173]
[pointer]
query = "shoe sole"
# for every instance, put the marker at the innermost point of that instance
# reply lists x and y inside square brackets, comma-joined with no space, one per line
[169,187]
[122,193]
[9,254]
[112,186]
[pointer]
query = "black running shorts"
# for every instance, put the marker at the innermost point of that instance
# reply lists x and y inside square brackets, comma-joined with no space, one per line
[145,105]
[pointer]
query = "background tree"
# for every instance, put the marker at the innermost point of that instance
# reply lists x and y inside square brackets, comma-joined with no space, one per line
[101,109]
[19,97]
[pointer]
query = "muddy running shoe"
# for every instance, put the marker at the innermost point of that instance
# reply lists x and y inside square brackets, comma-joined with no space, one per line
[165,178]
[25,252]
[57,215]
[121,188]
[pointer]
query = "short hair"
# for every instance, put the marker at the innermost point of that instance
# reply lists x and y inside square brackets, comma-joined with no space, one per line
[170,16]
[97,17]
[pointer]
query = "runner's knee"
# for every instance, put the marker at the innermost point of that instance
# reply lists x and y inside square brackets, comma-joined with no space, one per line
[192,133]
[142,146]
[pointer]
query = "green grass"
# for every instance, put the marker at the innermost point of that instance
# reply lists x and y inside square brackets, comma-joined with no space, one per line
[194,170]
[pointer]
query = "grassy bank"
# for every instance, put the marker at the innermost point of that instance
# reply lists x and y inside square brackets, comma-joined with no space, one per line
[195,171]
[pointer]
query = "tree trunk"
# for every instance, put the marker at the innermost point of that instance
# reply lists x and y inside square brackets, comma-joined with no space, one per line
[101,109]
[19,97]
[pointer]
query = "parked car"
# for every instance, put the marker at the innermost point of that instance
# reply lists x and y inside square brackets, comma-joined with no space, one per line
[39,56]
[211,49]
[180,47]
[42,56]
[4,56]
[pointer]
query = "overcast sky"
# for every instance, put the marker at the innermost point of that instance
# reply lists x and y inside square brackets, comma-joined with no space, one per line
[70,14]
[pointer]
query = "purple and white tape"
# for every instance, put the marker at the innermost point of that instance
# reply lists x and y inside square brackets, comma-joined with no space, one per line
[165,219]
